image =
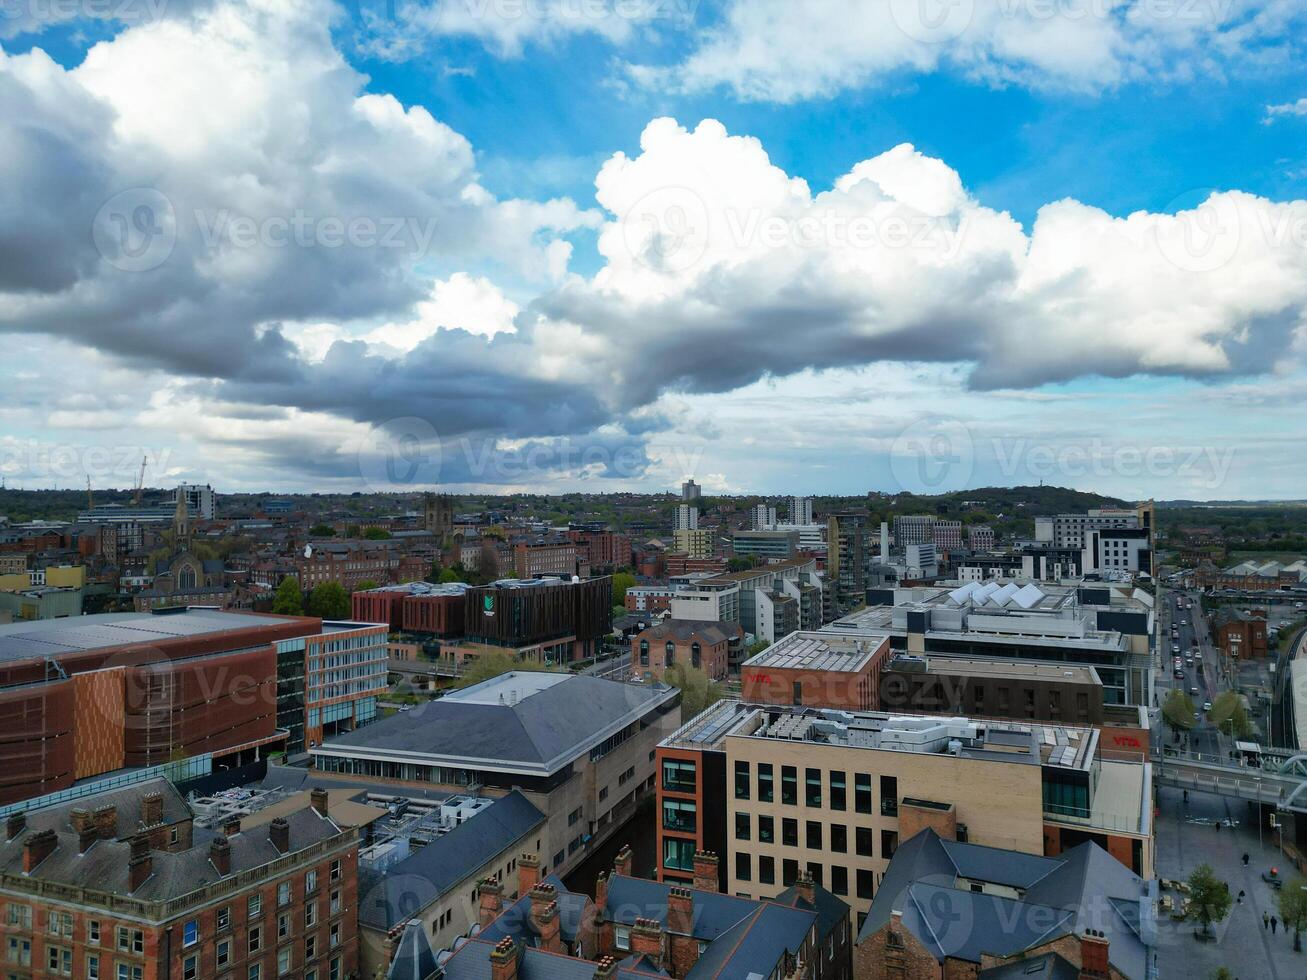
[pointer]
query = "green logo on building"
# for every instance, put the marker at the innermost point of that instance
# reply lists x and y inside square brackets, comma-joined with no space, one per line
[488,604]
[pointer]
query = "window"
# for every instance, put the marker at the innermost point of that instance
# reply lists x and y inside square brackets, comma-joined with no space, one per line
[93,931]
[335,969]
[59,924]
[223,920]
[862,792]
[333,937]
[310,914]
[889,796]
[742,826]
[574,816]
[695,658]
[669,654]
[224,952]
[678,854]
[839,879]
[679,776]
[813,841]
[812,787]
[19,952]
[283,961]
[644,653]
[256,938]
[622,937]
[255,905]
[190,967]
[789,832]
[789,785]
[796,693]
[603,794]
[92,967]
[310,881]
[310,947]
[741,780]
[866,884]
[20,916]
[789,872]
[131,940]
[862,842]
[283,925]
[190,932]
[766,829]
[889,843]
[680,815]
[837,788]
[333,907]
[765,782]
[283,894]
[130,971]
[335,870]
[743,866]
[839,838]
[256,972]
[766,870]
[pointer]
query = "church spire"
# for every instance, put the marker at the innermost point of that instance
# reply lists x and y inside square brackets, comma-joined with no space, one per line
[181,522]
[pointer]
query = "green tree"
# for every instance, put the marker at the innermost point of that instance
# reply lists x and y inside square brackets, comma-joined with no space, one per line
[1230,716]
[757,647]
[490,665]
[1210,898]
[1178,710]
[621,582]
[329,600]
[322,531]
[448,575]
[289,600]
[739,564]
[376,534]
[367,585]
[1292,903]
[698,691]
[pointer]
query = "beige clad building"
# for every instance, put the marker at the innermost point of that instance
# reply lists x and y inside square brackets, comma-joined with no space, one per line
[833,793]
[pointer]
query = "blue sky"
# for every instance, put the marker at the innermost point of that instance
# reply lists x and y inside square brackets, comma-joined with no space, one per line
[517,143]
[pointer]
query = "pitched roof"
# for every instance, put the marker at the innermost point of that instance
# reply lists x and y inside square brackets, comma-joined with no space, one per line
[685,630]
[418,880]
[1084,888]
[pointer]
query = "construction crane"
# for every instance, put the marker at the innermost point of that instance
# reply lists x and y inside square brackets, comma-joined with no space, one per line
[140,482]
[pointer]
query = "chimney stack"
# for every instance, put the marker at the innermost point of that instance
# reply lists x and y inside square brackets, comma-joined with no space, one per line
[705,871]
[279,834]
[231,826]
[1094,963]
[680,910]
[528,873]
[550,927]
[647,940]
[106,821]
[806,888]
[319,800]
[220,855]
[83,824]
[622,864]
[541,895]
[15,824]
[152,809]
[682,946]
[503,960]
[37,848]
[492,901]
[601,891]
[140,865]
[606,968]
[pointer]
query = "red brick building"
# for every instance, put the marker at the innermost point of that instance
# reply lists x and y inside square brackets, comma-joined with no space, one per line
[1240,634]
[121,884]
[602,549]
[818,670]
[704,645]
[532,559]
[417,607]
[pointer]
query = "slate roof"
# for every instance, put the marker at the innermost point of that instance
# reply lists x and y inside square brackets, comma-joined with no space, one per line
[684,630]
[514,922]
[414,958]
[104,865]
[1050,966]
[472,962]
[1084,888]
[540,733]
[415,882]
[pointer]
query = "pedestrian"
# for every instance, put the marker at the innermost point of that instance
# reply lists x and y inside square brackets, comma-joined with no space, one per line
[1218,826]
[1241,896]
[1274,921]
[1266,921]
[1245,860]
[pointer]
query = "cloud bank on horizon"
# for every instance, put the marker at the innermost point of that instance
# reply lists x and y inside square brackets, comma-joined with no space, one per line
[217,208]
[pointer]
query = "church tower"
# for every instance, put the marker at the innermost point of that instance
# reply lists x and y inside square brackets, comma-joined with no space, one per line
[181,523]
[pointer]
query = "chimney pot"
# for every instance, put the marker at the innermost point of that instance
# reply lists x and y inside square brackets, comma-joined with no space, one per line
[622,864]
[106,821]
[231,826]
[528,873]
[15,824]
[503,960]
[606,968]
[805,888]
[37,848]
[152,809]
[319,799]
[279,834]
[705,872]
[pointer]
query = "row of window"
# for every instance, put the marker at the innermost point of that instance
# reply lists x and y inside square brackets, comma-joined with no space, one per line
[834,784]
[864,878]
[19,916]
[816,835]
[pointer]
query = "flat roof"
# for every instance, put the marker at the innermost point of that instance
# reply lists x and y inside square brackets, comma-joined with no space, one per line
[812,650]
[51,637]
[1001,668]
